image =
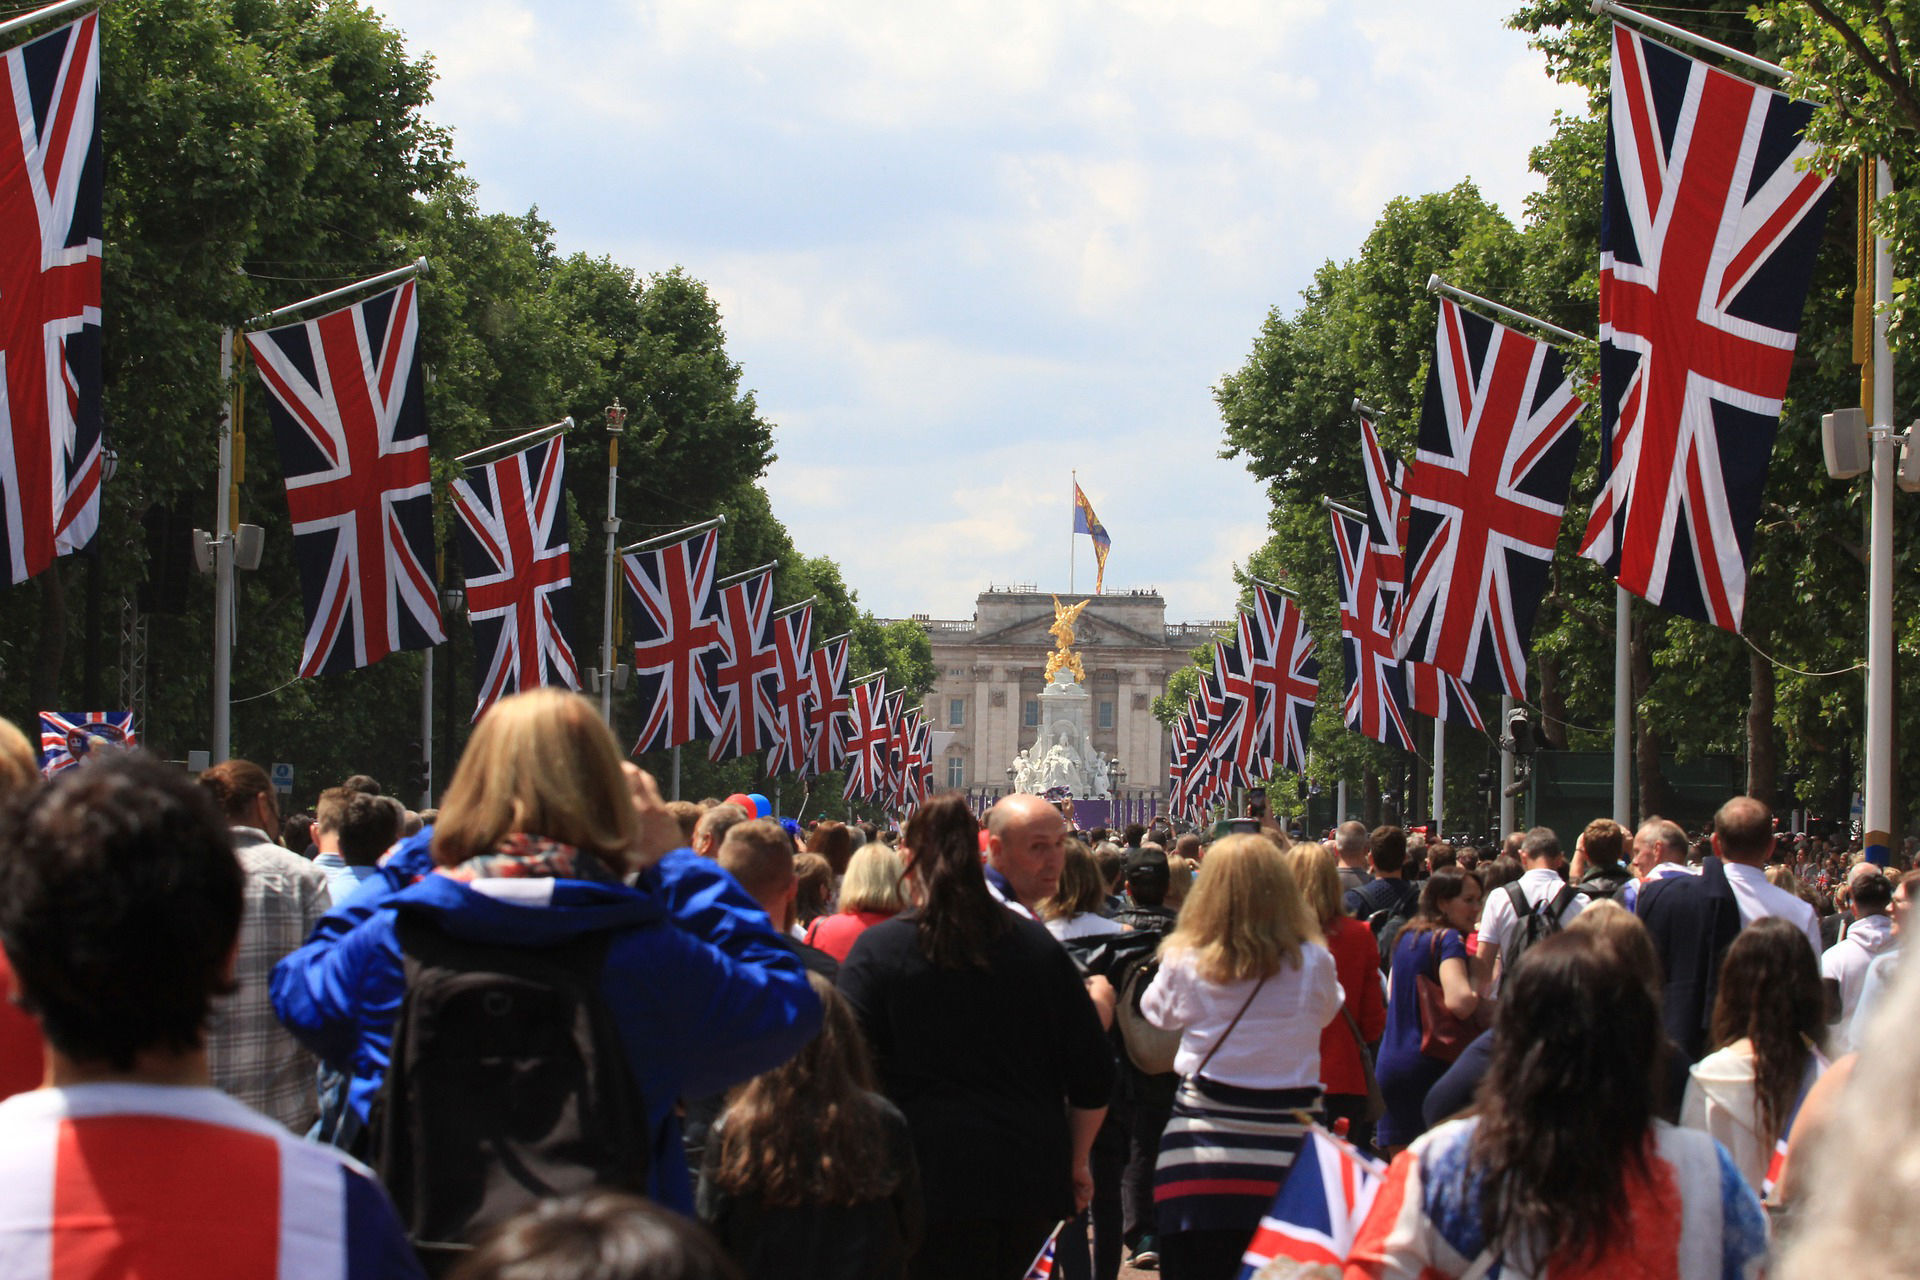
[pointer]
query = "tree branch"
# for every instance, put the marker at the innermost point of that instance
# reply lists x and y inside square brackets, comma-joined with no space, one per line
[1902,92]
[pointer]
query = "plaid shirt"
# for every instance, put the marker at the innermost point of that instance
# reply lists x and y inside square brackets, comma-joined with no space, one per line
[252,1056]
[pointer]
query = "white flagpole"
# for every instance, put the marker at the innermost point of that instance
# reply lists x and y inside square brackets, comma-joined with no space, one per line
[1439,773]
[1073,542]
[1506,771]
[1623,707]
[223,563]
[426,727]
[1877,813]
[616,419]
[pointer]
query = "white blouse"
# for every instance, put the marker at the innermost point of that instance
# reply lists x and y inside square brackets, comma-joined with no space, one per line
[1276,1044]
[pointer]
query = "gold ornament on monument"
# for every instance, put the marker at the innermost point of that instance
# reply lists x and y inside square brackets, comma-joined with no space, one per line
[1062,632]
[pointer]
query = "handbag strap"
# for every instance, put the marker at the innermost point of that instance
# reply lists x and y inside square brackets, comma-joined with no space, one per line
[1248,1004]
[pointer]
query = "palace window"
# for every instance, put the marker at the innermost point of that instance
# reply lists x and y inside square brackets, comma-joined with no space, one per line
[956,772]
[1106,714]
[1033,713]
[956,712]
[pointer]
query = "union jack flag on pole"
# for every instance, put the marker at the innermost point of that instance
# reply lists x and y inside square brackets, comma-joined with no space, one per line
[1484,498]
[743,676]
[50,170]
[69,737]
[866,758]
[676,637]
[1281,664]
[829,704]
[1318,1211]
[792,651]
[513,548]
[350,419]
[1707,239]
[1376,690]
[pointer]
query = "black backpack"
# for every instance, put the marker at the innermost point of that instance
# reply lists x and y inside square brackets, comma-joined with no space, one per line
[1536,922]
[506,1084]
[1388,921]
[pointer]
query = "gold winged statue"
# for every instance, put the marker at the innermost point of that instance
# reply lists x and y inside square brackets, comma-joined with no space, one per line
[1062,632]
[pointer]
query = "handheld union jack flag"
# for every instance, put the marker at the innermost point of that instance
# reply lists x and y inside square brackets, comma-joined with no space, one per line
[513,547]
[1707,238]
[69,737]
[1282,666]
[1485,496]
[676,637]
[1318,1211]
[828,706]
[792,651]
[1376,697]
[867,744]
[1041,1268]
[50,169]
[743,677]
[351,423]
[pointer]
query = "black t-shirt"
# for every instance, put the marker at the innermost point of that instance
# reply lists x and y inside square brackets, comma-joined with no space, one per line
[984,1063]
[1392,894]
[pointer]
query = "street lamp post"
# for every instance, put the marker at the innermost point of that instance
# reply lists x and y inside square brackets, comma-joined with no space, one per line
[616,422]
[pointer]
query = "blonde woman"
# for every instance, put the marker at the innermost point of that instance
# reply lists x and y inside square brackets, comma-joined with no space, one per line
[538,832]
[1247,981]
[872,892]
[1179,879]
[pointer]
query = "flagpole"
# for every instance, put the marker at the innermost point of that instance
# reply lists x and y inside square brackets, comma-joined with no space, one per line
[223,563]
[426,726]
[1439,773]
[1506,770]
[616,420]
[1877,787]
[1073,546]
[41,15]
[675,536]
[528,438]
[1436,285]
[1623,707]
[1607,8]
[744,574]
[418,267]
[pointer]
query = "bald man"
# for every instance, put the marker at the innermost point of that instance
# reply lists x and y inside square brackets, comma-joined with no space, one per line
[1026,850]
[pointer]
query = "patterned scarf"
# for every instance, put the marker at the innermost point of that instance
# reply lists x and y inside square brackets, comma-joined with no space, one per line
[529,857]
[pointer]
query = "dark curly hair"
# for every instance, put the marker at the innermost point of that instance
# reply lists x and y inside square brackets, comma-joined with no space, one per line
[958,916]
[120,900]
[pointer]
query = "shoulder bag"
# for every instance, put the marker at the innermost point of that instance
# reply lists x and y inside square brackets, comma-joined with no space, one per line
[1443,1034]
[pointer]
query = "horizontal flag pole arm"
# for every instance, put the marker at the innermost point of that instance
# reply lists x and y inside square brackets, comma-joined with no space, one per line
[1363,408]
[744,574]
[528,438]
[415,268]
[1346,511]
[1436,285]
[51,11]
[1272,586]
[871,675]
[676,535]
[833,639]
[1607,8]
[796,607]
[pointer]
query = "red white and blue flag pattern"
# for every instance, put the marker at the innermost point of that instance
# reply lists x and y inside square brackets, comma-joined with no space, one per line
[513,550]
[676,637]
[867,742]
[1318,1211]
[793,653]
[1484,499]
[50,240]
[742,678]
[829,706]
[350,419]
[1281,663]
[1707,239]
[69,737]
[1375,702]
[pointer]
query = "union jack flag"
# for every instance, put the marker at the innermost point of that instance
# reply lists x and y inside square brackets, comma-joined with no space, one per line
[792,651]
[1319,1208]
[50,168]
[676,626]
[916,764]
[1042,1266]
[1386,512]
[1707,239]
[1376,697]
[1485,496]
[1281,664]
[1433,692]
[742,679]
[513,547]
[828,705]
[867,742]
[893,790]
[69,737]
[350,420]
[1235,740]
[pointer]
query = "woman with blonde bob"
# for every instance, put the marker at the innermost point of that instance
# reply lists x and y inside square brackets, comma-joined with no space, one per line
[539,834]
[1247,980]
[872,892]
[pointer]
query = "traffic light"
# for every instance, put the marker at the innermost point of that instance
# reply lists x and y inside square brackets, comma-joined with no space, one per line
[1520,737]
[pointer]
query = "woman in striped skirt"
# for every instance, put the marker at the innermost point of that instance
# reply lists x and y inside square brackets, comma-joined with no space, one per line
[1248,983]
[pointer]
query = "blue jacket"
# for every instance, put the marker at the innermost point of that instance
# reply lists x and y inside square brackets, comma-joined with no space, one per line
[703,991]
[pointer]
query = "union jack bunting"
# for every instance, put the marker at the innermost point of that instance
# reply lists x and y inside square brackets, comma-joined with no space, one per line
[676,639]
[867,742]
[513,548]
[350,420]
[1318,1211]
[792,652]
[1484,496]
[1433,692]
[1376,696]
[828,705]
[747,667]
[1281,664]
[69,737]
[1707,239]
[50,169]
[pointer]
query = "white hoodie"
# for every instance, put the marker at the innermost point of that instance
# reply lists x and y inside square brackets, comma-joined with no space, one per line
[1846,962]
[1720,1101]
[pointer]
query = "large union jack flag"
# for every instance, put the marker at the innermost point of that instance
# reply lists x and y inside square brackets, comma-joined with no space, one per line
[1318,1211]
[676,635]
[828,706]
[1282,666]
[1485,496]
[1235,741]
[747,667]
[1707,239]
[69,737]
[50,298]
[350,419]
[1386,512]
[513,548]
[867,742]
[1376,689]
[1433,692]
[792,651]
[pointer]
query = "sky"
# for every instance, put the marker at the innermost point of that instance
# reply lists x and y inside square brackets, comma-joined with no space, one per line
[962,251]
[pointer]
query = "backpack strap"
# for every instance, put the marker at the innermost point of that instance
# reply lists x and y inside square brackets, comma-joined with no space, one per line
[1561,901]
[1521,907]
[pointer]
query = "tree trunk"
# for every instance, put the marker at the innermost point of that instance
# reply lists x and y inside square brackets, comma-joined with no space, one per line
[1762,757]
[1654,797]
[1553,702]
[51,648]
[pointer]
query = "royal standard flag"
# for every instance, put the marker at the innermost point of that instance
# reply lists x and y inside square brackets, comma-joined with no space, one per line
[1084,521]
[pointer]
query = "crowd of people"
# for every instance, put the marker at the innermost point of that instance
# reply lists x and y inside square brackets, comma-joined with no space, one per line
[560,1029]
